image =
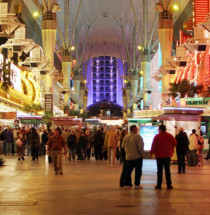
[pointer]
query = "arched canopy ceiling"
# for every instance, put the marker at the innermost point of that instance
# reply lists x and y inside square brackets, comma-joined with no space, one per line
[107,18]
[105,37]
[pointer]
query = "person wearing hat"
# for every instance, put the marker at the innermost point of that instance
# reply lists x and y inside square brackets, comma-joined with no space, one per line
[55,145]
[181,149]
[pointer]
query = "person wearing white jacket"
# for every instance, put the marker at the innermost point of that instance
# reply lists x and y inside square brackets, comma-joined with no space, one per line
[193,147]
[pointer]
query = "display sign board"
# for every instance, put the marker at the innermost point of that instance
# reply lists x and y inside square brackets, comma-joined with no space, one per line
[49,102]
[31,121]
[148,133]
[195,102]
[8,115]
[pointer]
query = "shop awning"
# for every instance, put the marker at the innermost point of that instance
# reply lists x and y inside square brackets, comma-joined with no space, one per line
[141,121]
[178,117]
[61,122]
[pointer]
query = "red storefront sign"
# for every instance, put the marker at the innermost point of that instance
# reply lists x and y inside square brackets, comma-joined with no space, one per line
[8,115]
[201,9]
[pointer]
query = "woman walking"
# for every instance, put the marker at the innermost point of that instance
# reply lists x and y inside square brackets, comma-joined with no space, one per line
[20,146]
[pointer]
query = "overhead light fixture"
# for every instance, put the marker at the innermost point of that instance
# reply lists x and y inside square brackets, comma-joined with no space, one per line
[35,14]
[141,72]
[105,14]
[140,48]
[175,7]
[72,48]
[201,47]
[165,70]
[55,8]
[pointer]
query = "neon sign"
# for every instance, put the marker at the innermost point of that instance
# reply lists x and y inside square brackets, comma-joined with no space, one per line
[201,102]
[194,102]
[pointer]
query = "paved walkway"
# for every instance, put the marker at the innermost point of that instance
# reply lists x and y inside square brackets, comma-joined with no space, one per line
[92,187]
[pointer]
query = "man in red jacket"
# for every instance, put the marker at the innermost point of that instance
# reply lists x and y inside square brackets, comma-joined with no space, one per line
[163,147]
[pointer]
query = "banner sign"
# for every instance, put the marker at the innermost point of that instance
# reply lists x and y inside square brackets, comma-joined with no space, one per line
[31,121]
[8,115]
[49,102]
[195,102]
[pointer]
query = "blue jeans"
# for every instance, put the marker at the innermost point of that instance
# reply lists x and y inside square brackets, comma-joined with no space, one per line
[163,162]
[130,165]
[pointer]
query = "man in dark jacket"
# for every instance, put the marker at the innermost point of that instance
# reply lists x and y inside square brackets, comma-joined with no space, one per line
[72,145]
[8,136]
[163,147]
[44,139]
[34,140]
[181,149]
[82,145]
[98,142]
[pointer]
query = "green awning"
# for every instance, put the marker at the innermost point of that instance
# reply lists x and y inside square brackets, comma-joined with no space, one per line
[141,121]
[31,121]
[206,118]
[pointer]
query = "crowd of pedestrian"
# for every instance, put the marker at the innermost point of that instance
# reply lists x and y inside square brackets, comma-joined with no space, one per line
[111,143]
[80,143]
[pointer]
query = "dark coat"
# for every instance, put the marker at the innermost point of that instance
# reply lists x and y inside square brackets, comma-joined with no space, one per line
[45,137]
[182,142]
[98,139]
[8,136]
[83,142]
[71,141]
[34,139]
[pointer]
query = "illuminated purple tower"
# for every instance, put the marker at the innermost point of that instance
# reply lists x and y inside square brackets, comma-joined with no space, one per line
[105,80]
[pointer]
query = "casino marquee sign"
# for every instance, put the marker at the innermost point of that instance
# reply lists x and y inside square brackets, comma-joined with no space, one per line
[195,102]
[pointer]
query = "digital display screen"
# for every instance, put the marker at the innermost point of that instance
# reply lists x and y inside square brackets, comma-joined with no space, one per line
[204,129]
[148,133]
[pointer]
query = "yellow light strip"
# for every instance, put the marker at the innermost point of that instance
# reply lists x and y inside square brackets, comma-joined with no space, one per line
[14,97]
[36,89]
[9,101]
[27,84]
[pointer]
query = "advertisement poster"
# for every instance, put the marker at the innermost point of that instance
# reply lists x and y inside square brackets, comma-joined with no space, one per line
[48,102]
[148,133]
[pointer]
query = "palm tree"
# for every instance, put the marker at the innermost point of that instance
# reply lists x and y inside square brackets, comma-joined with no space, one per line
[33,108]
[47,118]
[194,89]
[184,88]
[173,90]
[73,113]
[206,93]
